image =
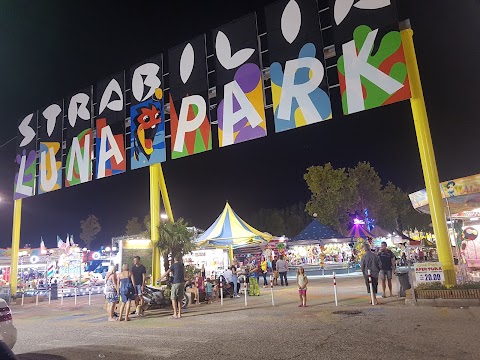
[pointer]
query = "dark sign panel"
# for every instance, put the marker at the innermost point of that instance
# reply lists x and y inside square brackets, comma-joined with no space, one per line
[79,138]
[110,126]
[50,125]
[241,107]
[297,66]
[371,66]
[26,157]
[189,105]
[147,114]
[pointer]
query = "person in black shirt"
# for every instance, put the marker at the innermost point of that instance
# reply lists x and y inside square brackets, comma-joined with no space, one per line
[275,272]
[387,267]
[139,275]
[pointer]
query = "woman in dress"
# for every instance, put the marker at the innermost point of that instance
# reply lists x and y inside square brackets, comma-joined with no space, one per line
[111,291]
[126,291]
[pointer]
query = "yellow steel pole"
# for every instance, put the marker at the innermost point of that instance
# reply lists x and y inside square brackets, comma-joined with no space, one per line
[427,157]
[230,253]
[155,220]
[17,221]
[164,192]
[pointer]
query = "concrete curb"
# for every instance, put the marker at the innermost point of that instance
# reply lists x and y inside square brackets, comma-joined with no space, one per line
[443,302]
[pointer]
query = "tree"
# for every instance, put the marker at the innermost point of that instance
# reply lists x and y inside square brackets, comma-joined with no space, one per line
[334,195]
[90,228]
[134,227]
[369,187]
[175,239]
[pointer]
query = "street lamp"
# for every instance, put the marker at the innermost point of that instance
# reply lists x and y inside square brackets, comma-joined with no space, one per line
[164,216]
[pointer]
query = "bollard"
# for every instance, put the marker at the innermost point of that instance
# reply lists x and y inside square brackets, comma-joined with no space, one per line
[23,297]
[197,292]
[335,288]
[323,271]
[75,295]
[49,295]
[221,292]
[61,299]
[36,299]
[371,286]
[245,289]
[89,296]
[271,289]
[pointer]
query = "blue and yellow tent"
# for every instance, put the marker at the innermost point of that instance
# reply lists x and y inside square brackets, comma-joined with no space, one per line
[229,231]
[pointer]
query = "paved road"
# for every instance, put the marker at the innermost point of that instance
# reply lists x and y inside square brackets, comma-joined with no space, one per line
[285,331]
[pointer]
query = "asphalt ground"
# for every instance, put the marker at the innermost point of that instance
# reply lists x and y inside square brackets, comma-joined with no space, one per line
[353,330]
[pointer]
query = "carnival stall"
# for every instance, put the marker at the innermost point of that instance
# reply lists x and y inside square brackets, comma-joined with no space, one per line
[318,244]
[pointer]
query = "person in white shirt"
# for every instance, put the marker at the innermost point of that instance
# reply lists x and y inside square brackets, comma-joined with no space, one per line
[228,275]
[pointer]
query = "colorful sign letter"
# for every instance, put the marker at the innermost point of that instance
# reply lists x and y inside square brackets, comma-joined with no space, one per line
[110,126]
[147,119]
[241,107]
[50,125]
[189,105]
[372,70]
[26,157]
[297,71]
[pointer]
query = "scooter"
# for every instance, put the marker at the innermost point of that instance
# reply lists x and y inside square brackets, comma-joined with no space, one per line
[156,297]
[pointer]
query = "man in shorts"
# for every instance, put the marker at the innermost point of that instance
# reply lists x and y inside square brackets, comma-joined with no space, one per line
[178,285]
[274,269]
[387,267]
[139,273]
[371,262]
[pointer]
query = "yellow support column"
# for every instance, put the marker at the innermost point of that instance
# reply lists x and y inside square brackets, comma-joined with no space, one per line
[155,220]
[164,192]
[427,157]
[230,254]
[17,221]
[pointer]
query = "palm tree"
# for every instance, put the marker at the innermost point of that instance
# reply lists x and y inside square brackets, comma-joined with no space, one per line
[174,239]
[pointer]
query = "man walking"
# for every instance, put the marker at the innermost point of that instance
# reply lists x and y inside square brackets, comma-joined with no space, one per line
[139,274]
[275,272]
[178,285]
[282,268]
[387,267]
[370,262]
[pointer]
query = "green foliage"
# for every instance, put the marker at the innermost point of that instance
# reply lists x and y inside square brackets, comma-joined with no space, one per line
[90,228]
[134,227]
[334,195]
[175,239]
[439,286]
[287,221]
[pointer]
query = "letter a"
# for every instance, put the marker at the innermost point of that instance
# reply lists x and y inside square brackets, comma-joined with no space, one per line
[104,155]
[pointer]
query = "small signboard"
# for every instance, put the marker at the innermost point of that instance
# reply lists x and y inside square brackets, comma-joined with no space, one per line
[429,272]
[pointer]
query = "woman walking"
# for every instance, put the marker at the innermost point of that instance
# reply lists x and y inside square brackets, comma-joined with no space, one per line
[126,290]
[302,282]
[235,281]
[111,292]
[264,269]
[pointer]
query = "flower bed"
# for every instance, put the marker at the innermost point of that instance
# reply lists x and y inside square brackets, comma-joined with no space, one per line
[448,294]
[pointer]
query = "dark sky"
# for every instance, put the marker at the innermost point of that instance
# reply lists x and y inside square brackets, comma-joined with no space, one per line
[50,49]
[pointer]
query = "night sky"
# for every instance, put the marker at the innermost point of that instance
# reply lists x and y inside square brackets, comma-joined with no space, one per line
[51,49]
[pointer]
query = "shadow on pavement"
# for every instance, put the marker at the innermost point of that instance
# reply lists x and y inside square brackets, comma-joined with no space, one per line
[39,356]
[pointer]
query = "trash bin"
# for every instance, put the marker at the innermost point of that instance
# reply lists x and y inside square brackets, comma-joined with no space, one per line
[404,282]
[54,291]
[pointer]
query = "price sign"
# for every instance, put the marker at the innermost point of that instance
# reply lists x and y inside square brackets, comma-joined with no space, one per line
[429,272]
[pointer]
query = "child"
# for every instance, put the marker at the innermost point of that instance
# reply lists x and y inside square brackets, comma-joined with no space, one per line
[302,282]
[208,291]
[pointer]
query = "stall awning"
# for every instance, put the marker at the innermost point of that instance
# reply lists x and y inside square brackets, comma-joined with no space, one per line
[230,230]
[317,233]
[358,231]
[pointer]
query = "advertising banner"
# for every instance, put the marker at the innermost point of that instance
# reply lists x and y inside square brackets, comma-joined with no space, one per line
[189,105]
[297,66]
[147,114]
[241,106]
[429,272]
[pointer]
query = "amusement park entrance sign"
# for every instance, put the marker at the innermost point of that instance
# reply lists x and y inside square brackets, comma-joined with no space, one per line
[84,136]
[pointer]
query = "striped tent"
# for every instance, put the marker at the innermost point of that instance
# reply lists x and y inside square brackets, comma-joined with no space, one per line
[230,231]
[357,231]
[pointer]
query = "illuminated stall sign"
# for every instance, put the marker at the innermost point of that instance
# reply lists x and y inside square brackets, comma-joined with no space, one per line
[297,67]
[79,138]
[147,114]
[241,107]
[50,123]
[371,68]
[189,105]
[110,126]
